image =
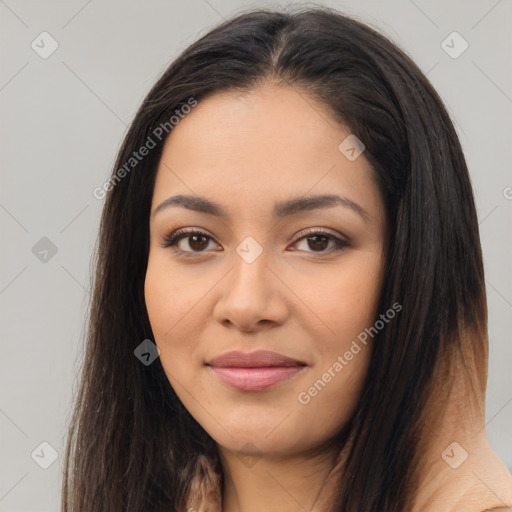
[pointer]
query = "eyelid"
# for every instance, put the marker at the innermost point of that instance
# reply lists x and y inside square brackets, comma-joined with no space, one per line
[170,240]
[323,231]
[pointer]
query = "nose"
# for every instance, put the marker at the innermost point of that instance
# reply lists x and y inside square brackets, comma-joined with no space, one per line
[252,297]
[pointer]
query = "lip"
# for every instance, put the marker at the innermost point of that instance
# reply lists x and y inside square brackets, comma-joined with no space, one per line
[258,359]
[254,371]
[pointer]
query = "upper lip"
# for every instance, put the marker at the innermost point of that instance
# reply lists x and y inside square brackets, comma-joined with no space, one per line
[259,359]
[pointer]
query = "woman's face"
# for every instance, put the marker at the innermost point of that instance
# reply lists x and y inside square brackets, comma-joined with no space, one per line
[259,276]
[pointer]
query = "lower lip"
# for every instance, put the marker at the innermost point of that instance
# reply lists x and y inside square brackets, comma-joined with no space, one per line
[255,379]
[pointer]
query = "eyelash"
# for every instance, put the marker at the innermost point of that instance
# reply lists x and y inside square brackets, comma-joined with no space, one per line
[170,241]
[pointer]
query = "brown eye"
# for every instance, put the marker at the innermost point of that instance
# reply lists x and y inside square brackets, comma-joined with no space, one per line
[318,243]
[197,242]
[193,241]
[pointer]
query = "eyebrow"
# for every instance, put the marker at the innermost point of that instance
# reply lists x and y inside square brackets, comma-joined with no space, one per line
[281,209]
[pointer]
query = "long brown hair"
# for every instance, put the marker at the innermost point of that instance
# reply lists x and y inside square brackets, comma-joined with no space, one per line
[132,444]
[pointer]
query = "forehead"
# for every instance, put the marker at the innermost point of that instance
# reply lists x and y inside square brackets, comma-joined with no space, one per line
[270,117]
[270,143]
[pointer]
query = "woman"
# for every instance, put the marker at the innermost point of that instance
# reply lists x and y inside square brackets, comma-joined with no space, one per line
[289,246]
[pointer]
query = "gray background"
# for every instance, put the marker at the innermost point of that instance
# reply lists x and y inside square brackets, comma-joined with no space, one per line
[63,119]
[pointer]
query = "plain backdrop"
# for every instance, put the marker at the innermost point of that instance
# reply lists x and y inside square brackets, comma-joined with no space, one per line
[63,116]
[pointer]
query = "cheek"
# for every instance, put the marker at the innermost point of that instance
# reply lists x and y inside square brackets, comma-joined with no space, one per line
[360,282]
[172,295]
[345,298]
[330,396]
[348,307]
[172,303]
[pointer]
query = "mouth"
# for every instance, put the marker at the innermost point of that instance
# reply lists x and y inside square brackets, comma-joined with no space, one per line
[254,371]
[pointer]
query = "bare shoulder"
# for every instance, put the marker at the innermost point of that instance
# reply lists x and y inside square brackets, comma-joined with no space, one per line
[482,484]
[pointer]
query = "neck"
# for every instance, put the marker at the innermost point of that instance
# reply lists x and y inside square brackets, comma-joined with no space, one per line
[274,483]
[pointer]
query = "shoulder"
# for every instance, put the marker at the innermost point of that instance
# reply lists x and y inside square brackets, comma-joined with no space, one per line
[481,484]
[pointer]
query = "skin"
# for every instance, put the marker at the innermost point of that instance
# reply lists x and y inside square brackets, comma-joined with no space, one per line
[246,152]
